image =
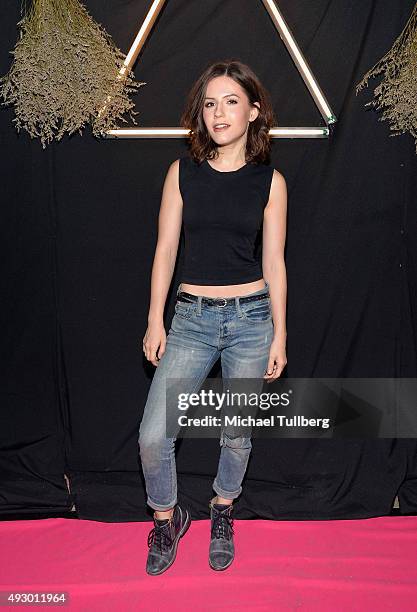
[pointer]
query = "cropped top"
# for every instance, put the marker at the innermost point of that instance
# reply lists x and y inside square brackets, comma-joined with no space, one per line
[222,222]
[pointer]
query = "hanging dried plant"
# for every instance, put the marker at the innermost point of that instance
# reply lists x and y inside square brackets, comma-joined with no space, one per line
[397,92]
[66,73]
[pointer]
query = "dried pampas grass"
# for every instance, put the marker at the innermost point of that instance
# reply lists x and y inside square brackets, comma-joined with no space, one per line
[66,73]
[397,92]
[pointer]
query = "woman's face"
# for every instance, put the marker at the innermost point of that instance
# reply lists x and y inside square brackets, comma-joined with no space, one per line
[226,102]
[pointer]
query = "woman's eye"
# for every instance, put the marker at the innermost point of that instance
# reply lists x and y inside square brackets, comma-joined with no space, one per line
[231,100]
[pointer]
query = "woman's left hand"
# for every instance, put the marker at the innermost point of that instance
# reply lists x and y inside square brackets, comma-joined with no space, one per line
[277,359]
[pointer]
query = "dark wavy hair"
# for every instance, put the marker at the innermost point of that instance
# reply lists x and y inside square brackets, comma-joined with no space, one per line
[202,146]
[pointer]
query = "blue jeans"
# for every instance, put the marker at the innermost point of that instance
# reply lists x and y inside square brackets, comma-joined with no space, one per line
[241,334]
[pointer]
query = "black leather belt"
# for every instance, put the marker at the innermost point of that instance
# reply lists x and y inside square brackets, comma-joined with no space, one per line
[183,296]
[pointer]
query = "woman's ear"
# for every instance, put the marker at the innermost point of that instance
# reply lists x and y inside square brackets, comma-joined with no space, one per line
[254,111]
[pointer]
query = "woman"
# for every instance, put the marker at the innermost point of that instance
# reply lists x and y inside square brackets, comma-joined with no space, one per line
[231,302]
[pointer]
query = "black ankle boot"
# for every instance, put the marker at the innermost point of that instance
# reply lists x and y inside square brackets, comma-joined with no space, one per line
[222,550]
[163,540]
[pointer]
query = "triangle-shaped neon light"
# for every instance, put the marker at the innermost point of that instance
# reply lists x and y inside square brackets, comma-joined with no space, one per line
[276,132]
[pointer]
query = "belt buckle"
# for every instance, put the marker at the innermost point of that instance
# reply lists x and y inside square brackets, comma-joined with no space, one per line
[225,302]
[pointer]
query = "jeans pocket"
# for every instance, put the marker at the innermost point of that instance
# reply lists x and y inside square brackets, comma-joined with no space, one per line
[184,309]
[257,312]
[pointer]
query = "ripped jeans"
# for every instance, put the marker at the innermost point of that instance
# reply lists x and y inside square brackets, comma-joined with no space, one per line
[241,335]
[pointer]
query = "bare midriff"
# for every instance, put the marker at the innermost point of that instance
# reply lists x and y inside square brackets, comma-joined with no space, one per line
[224,290]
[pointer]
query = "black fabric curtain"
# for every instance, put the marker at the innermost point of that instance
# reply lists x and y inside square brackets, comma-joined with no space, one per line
[78,234]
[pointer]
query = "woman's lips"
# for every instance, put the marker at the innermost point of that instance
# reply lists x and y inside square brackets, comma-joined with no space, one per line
[220,129]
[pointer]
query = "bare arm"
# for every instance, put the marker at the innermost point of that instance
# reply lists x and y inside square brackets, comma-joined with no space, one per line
[274,270]
[169,230]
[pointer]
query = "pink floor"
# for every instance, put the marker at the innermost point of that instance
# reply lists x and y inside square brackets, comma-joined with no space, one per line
[367,564]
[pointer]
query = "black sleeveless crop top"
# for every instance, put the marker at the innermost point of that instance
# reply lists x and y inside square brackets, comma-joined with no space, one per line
[222,221]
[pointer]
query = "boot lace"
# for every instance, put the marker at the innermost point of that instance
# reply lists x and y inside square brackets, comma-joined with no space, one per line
[222,526]
[159,537]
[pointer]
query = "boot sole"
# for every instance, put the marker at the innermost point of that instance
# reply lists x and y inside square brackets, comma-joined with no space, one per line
[179,536]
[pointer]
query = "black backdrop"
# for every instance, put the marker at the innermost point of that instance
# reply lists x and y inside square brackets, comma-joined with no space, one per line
[78,233]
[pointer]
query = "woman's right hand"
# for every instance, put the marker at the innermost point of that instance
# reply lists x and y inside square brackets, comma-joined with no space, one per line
[155,337]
